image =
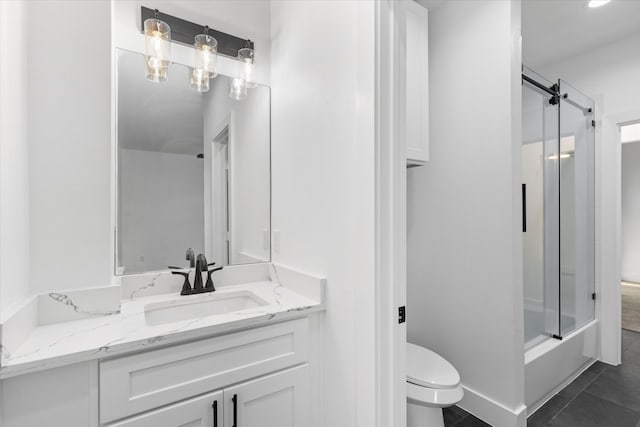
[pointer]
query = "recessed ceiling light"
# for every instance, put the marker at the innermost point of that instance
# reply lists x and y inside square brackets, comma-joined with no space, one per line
[598,3]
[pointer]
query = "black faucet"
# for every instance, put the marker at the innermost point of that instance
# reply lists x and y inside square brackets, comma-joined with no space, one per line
[191,257]
[201,266]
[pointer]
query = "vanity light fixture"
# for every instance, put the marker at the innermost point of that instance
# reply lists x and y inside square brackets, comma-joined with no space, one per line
[206,49]
[205,58]
[157,39]
[244,79]
[246,58]
[598,3]
[207,43]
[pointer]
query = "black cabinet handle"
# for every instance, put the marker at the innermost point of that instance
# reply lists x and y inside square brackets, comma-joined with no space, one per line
[215,413]
[234,399]
[524,208]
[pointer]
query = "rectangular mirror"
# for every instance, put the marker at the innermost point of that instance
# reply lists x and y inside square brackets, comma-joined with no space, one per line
[193,171]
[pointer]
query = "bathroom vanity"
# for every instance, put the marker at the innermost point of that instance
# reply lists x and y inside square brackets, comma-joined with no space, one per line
[249,378]
[161,361]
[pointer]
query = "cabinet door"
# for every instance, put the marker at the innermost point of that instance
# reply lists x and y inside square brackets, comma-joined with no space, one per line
[416,73]
[278,400]
[203,411]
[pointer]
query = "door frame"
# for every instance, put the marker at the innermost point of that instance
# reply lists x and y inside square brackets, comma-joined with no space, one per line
[390,241]
[608,229]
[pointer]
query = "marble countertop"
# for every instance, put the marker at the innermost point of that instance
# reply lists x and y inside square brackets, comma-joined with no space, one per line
[58,344]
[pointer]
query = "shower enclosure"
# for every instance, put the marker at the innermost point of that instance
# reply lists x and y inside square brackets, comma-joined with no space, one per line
[558,225]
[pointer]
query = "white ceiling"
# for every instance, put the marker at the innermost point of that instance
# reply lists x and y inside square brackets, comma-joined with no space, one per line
[553,30]
[430,4]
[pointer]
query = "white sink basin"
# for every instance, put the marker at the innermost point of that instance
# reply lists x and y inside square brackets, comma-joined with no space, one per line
[200,305]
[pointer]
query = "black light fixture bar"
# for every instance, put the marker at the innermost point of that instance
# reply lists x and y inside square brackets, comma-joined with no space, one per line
[184,32]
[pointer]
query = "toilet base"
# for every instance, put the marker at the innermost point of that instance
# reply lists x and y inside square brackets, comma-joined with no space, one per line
[424,416]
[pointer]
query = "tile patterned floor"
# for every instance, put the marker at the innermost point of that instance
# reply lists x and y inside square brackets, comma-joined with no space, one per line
[457,417]
[603,396]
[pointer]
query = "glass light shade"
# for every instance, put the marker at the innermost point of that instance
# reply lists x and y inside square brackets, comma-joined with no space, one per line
[246,71]
[237,89]
[206,58]
[157,35]
[199,80]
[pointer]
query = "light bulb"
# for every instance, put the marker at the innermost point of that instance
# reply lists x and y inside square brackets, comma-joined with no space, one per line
[157,49]
[598,3]
[246,67]
[206,58]
[562,156]
[199,80]
[238,89]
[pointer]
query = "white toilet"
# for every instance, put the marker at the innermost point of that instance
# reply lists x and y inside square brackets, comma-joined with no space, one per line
[432,384]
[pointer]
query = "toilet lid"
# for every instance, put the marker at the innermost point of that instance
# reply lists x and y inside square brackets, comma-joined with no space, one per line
[428,369]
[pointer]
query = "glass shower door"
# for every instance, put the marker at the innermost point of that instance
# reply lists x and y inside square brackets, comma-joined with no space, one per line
[577,209]
[558,205]
[540,222]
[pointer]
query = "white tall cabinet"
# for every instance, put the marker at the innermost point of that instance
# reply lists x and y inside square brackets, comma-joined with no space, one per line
[413,57]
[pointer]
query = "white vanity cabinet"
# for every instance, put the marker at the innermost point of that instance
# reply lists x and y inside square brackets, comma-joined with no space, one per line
[203,411]
[277,400]
[413,57]
[256,377]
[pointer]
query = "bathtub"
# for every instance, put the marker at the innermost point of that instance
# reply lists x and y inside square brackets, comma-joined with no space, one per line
[552,364]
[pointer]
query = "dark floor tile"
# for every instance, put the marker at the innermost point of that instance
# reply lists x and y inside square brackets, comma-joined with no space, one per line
[587,410]
[579,384]
[471,421]
[598,367]
[620,384]
[613,387]
[630,339]
[631,355]
[453,415]
[549,410]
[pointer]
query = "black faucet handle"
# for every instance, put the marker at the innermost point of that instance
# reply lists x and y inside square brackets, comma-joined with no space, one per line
[209,284]
[186,286]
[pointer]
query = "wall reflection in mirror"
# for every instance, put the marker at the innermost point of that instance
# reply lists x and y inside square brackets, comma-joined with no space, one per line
[193,171]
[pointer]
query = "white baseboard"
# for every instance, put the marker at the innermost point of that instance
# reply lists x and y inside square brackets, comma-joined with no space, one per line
[492,412]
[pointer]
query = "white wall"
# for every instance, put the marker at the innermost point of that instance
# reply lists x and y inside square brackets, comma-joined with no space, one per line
[631,212]
[464,225]
[322,79]
[250,178]
[161,209]
[69,155]
[14,156]
[63,176]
